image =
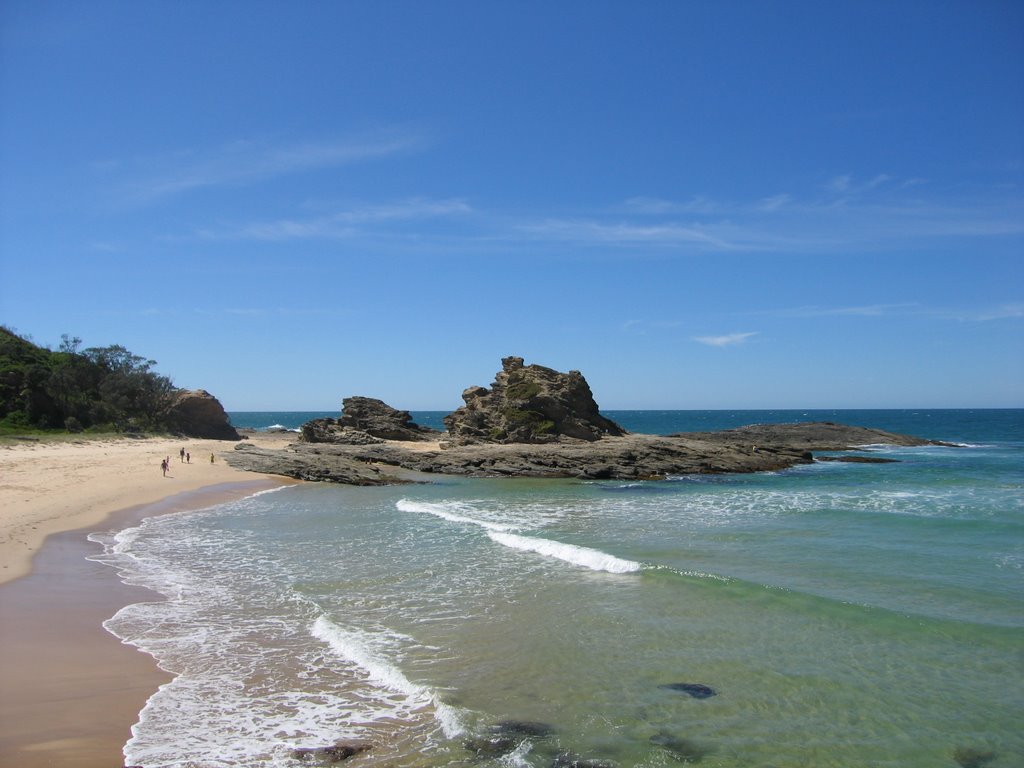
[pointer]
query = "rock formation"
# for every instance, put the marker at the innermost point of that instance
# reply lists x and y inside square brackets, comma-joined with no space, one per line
[809,436]
[537,422]
[197,413]
[630,457]
[365,421]
[529,404]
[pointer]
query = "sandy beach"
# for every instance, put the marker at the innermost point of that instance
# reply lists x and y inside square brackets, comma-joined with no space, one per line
[70,691]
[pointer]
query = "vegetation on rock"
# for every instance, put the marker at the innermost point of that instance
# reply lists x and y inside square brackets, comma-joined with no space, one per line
[73,389]
[529,404]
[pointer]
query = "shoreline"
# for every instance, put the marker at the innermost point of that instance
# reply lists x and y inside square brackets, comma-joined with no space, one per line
[71,690]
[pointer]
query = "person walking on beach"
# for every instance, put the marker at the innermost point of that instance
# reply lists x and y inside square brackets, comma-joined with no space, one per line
[163,466]
[188,458]
[211,458]
[182,454]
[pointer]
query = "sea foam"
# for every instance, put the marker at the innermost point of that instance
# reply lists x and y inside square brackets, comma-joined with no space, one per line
[593,559]
[501,533]
[358,648]
[446,511]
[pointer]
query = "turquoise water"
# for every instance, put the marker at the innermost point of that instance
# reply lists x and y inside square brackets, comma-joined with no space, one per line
[843,614]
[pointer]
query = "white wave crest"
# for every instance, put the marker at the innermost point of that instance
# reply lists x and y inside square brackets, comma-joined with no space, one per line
[446,512]
[593,559]
[357,648]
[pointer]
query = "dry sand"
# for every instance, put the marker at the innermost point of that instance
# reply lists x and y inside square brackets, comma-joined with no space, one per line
[70,691]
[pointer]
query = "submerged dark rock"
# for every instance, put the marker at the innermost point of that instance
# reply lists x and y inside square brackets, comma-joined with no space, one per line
[972,757]
[683,750]
[335,753]
[492,746]
[523,728]
[505,736]
[572,760]
[696,690]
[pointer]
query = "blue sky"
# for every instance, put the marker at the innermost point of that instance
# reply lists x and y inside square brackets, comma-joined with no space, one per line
[697,204]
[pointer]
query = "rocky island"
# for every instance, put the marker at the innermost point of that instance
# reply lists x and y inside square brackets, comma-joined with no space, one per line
[537,422]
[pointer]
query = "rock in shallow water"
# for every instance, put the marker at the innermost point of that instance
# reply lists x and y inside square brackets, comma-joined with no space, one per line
[696,690]
[506,736]
[972,757]
[571,760]
[335,753]
[683,750]
[525,728]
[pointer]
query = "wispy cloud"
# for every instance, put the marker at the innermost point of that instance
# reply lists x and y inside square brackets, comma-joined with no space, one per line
[864,310]
[594,232]
[640,327]
[247,162]
[340,224]
[845,184]
[845,214]
[659,206]
[1008,311]
[1004,312]
[728,340]
[1012,311]
[775,202]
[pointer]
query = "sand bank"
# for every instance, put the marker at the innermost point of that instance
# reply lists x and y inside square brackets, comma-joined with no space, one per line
[70,691]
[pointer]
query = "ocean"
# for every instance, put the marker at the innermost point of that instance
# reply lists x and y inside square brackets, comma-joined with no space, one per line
[833,614]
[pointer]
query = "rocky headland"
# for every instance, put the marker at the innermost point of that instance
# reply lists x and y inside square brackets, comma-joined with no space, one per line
[197,413]
[536,422]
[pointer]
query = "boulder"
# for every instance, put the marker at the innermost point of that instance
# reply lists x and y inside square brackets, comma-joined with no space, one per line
[335,753]
[197,413]
[366,421]
[529,404]
[330,431]
[378,419]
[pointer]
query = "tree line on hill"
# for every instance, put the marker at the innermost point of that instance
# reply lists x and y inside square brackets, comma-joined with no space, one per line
[73,389]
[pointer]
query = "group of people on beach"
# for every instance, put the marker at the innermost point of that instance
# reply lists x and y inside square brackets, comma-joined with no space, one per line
[186,458]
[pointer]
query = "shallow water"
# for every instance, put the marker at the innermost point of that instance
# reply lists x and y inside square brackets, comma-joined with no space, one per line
[843,614]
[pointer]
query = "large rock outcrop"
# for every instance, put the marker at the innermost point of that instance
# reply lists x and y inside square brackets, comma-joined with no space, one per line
[529,404]
[197,413]
[364,421]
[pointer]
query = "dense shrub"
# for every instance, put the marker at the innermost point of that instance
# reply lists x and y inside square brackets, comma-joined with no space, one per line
[42,388]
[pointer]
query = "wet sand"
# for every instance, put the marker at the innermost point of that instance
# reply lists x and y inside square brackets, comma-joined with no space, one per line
[69,690]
